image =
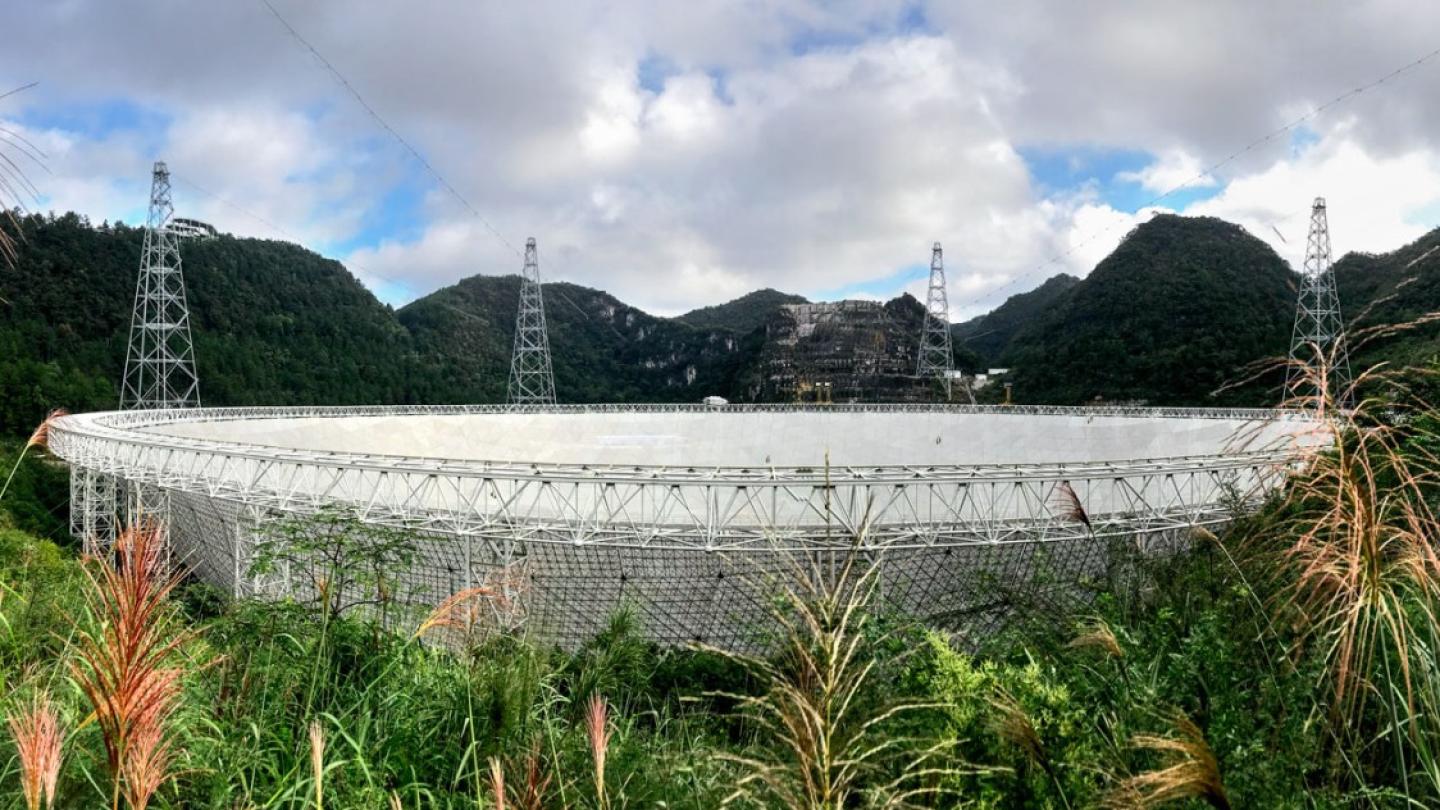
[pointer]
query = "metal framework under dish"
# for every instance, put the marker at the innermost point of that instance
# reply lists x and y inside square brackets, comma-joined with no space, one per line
[691,548]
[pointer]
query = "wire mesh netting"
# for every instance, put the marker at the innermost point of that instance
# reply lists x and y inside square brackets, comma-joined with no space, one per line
[564,593]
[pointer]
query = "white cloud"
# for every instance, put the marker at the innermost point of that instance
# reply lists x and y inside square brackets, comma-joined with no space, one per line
[1175,169]
[1376,202]
[817,172]
[803,145]
[612,128]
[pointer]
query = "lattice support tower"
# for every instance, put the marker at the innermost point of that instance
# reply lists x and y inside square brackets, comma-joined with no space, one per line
[1318,340]
[532,380]
[160,364]
[159,374]
[936,358]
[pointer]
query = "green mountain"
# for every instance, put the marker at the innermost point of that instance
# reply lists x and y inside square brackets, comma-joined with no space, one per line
[603,350]
[990,335]
[1379,292]
[277,324]
[1186,306]
[1180,309]
[273,323]
[745,314]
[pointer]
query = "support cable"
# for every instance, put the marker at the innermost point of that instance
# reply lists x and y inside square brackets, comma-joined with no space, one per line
[1232,157]
[350,264]
[415,153]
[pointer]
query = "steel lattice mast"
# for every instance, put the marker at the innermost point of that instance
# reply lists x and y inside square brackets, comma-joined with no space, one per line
[1318,340]
[532,380]
[160,363]
[935,354]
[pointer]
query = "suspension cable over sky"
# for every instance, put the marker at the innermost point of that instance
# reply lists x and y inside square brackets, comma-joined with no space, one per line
[1075,245]
[1227,160]
[385,125]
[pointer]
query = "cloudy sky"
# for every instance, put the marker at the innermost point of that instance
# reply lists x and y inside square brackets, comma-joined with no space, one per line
[679,154]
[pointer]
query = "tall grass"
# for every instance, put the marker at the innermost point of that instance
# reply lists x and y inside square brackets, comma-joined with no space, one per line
[598,732]
[38,438]
[824,745]
[38,738]
[1357,555]
[126,663]
[1351,558]
[1189,771]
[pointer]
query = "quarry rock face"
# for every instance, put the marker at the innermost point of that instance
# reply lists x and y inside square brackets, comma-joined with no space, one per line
[844,351]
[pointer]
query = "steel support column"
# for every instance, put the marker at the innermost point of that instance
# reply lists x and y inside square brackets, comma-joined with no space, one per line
[94,507]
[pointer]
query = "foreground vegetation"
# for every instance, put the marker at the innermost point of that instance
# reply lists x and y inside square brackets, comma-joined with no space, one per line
[1289,663]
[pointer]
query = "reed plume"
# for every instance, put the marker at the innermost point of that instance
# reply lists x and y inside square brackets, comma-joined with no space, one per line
[123,665]
[496,604]
[461,611]
[1069,505]
[38,741]
[317,762]
[1010,722]
[531,794]
[1098,636]
[39,438]
[597,729]
[497,782]
[15,185]
[147,761]
[1189,771]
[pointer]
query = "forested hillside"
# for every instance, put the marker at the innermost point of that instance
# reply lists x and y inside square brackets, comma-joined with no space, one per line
[1179,310]
[989,336]
[277,324]
[273,323]
[1396,288]
[603,350]
[1187,306]
[744,314]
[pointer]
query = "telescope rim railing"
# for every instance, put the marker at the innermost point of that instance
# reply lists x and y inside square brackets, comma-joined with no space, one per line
[125,427]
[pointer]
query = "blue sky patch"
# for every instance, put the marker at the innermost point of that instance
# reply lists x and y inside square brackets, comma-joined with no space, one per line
[1426,216]
[652,71]
[882,287]
[398,216]
[1099,171]
[813,40]
[1058,171]
[97,120]
[911,21]
[390,292]
[1301,139]
[720,85]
